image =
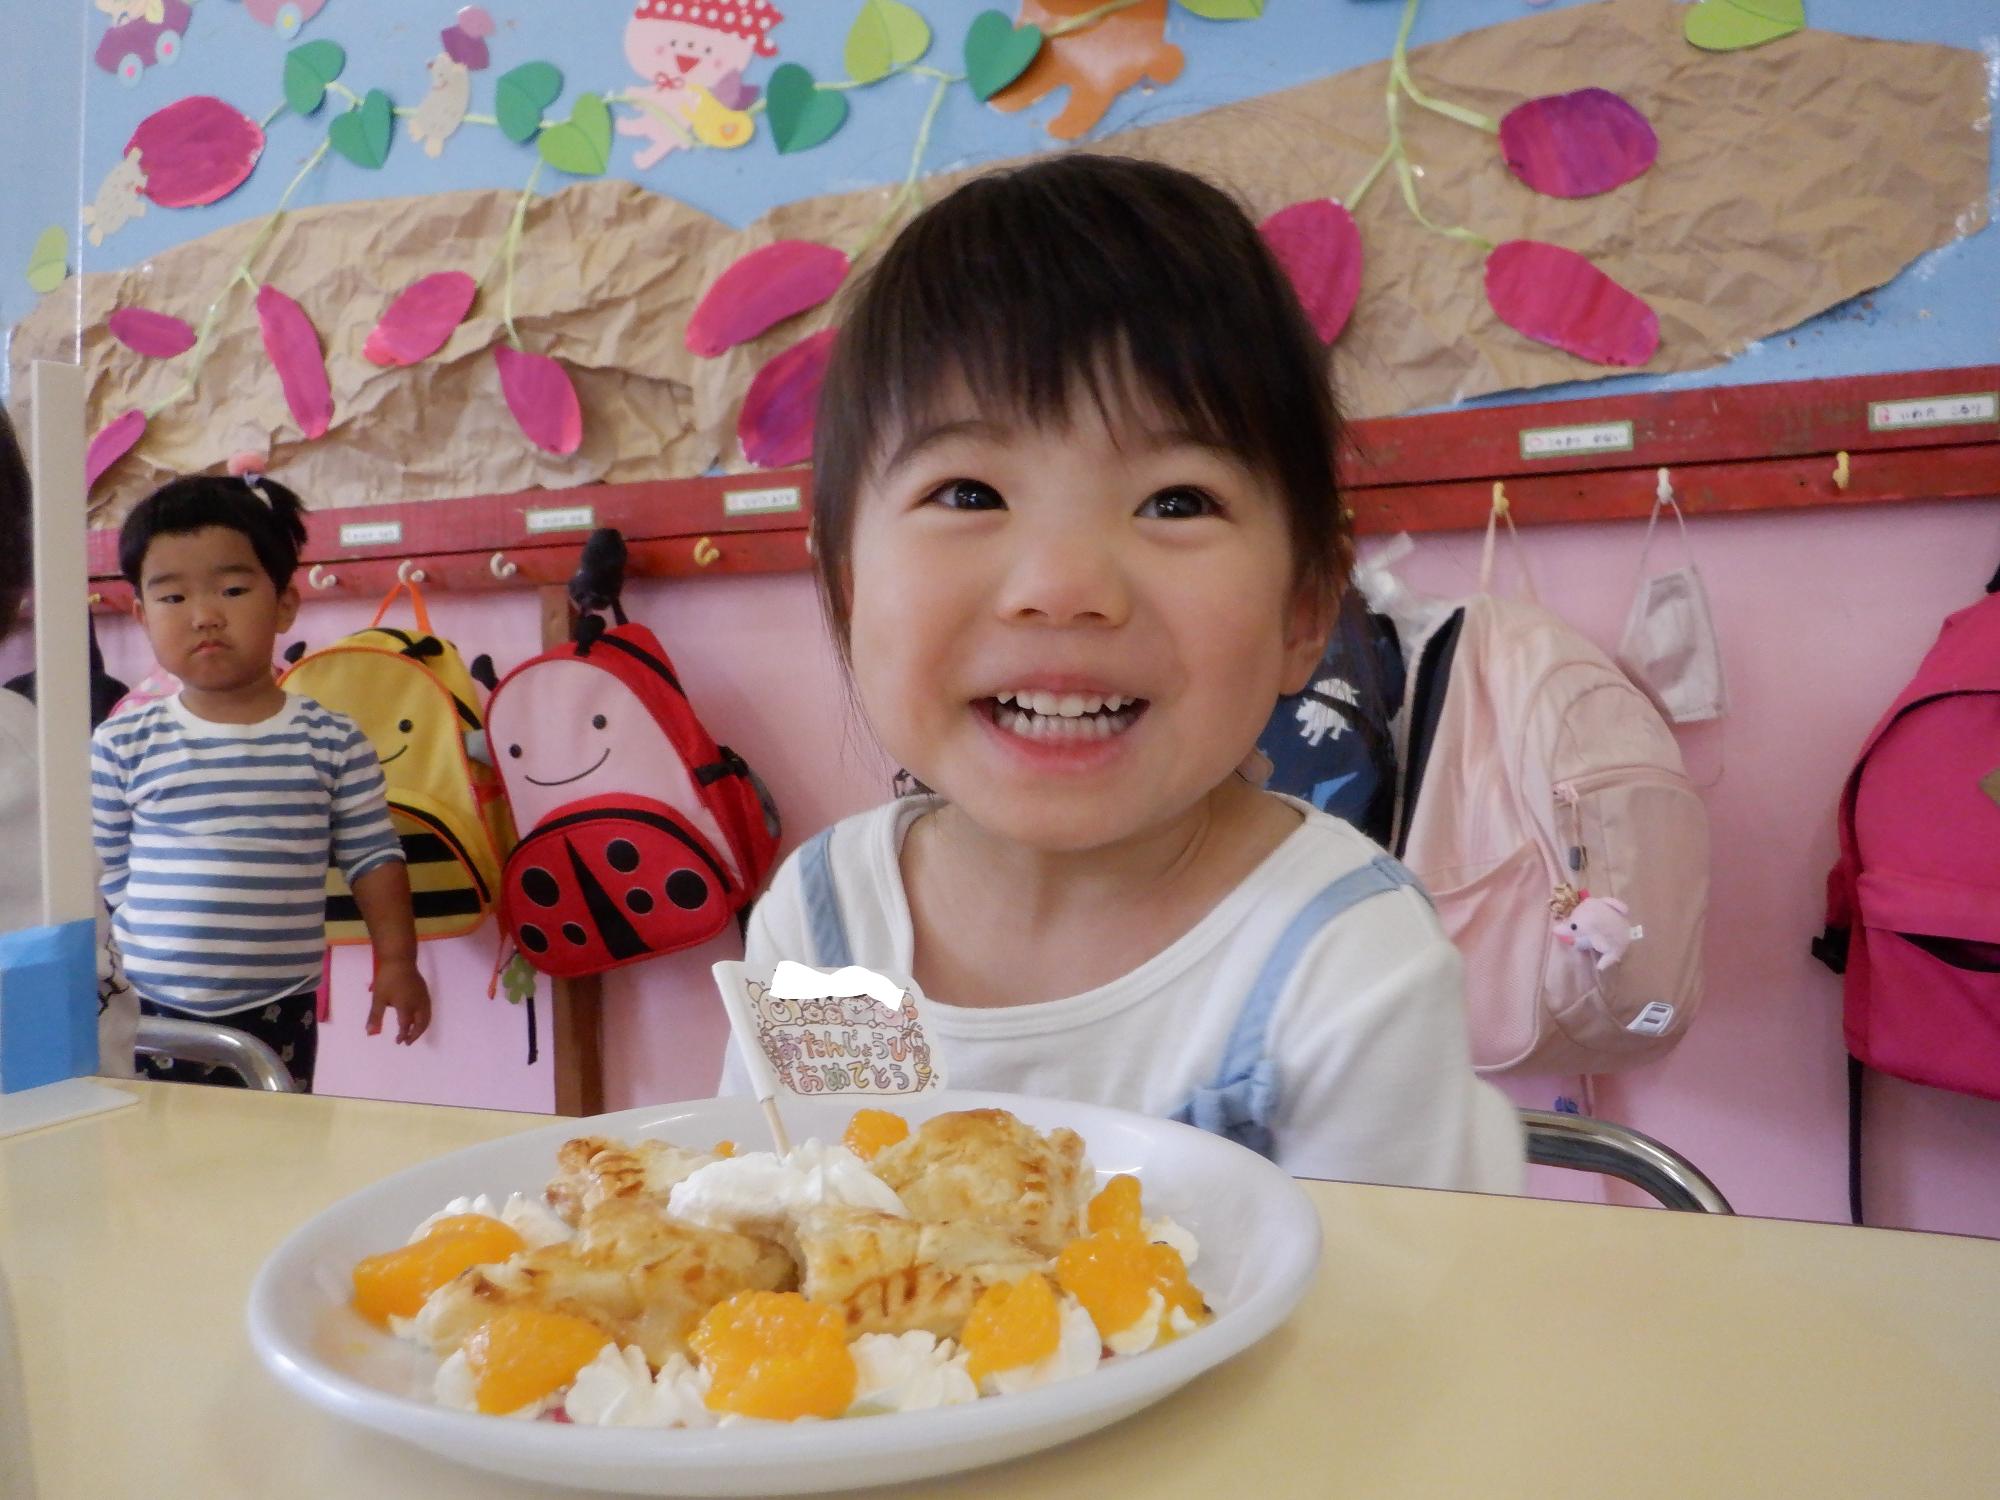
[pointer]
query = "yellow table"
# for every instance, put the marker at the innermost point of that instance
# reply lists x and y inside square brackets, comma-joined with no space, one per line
[1454,1345]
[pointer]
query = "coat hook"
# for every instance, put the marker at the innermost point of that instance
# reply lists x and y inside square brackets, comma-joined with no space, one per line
[1500,503]
[1663,491]
[500,568]
[1840,471]
[705,552]
[319,578]
[407,572]
[95,600]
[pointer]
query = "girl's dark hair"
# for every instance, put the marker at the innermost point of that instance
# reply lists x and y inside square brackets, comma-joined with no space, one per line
[275,526]
[16,555]
[1082,274]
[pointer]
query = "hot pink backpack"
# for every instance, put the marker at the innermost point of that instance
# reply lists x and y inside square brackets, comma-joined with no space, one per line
[1550,778]
[1913,905]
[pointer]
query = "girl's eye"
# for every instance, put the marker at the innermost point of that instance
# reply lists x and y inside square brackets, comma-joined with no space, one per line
[967,494]
[1184,502]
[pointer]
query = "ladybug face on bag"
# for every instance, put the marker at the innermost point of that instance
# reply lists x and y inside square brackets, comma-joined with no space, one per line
[566,730]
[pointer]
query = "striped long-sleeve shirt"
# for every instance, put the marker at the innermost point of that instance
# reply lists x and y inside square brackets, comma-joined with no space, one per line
[215,840]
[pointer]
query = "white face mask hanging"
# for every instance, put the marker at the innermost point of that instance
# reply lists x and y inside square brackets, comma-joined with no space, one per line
[1669,646]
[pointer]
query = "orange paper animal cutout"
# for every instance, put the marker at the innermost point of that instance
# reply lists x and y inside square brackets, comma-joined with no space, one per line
[1096,64]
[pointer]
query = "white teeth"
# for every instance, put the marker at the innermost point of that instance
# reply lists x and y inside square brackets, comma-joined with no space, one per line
[1063,705]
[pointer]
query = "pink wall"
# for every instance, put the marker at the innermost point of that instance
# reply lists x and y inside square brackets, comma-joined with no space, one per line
[1822,614]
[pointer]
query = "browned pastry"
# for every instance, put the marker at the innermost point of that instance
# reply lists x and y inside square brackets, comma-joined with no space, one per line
[595,1170]
[642,1277]
[891,1275]
[985,1165]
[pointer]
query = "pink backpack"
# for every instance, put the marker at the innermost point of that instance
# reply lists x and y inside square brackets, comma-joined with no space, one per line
[1562,844]
[1913,905]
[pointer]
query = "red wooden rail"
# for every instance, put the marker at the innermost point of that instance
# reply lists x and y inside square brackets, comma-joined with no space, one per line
[1924,435]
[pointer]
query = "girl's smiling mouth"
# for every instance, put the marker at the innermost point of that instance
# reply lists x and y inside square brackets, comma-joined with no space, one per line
[1042,715]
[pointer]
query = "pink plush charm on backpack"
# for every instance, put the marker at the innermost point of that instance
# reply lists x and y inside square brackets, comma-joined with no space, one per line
[1598,924]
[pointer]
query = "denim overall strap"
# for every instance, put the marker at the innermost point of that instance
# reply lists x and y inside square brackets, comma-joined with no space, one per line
[829,931]
[1243,1099]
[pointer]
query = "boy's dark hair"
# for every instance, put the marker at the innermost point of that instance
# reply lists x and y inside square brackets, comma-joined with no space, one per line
[16,555]
[1063,278]
[276,527]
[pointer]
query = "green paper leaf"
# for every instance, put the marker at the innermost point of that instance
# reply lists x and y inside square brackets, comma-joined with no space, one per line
[1732,25]
[1225,10]
[362,135]
[517,980]
[520,97]
[996,53]
[48,264]
[1990,784]
[581,145]
[308,70]
[802,114]
[887,34]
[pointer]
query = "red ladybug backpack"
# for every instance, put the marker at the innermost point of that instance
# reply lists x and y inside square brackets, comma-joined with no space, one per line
[639,834]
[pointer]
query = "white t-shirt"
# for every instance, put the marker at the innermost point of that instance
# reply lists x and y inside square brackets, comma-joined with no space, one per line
[1375,1080]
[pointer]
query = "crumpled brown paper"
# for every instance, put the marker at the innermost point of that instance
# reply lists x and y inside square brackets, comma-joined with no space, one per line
[1790,178]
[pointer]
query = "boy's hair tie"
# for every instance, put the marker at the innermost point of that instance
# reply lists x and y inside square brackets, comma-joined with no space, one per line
[255,484]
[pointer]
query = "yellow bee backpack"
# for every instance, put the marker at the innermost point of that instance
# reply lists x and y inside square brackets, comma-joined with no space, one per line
[412,696]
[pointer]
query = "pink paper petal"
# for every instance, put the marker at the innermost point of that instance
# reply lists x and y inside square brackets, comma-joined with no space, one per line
[542,399]
[420,320]
[1319,245]
[776,424]
[1555,296]
[112,442]
[196,150]
[475,20]
[761,290]
[293,344]
[1577,145]
[154,334]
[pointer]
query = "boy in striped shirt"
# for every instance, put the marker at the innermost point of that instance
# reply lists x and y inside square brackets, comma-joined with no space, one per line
[218,810]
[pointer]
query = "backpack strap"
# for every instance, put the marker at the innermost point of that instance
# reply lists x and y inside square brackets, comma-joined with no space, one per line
[1243,1099]
[829,929]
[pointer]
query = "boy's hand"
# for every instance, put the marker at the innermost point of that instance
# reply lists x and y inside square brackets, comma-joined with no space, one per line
[399,987]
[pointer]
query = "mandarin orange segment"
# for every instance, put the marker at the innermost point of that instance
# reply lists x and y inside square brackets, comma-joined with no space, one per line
[1114,1273]
[1116,1206]
[396,1282]
[525,1353]
[775,1355]
[873,1130]
[1011,1325]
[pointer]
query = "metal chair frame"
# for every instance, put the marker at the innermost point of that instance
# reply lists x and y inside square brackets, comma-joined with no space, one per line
[249,1058]
[1580,1143]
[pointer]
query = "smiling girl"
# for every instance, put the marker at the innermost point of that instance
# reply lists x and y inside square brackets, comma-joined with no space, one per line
[1076,530]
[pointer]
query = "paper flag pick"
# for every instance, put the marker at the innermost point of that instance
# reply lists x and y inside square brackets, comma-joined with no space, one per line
[886,34]
[805,1031]
[581,145]
[762,289]
[520,97]
[997,52]
[802,114]
[1319,245]
[154,334]
[540,396]
[1577,145]
[308,70]
[196,150]
[776,424]
[112,442]
[362,135]
[48,262]
[1731,25]
[293,344]
[421,319]
[1555,296]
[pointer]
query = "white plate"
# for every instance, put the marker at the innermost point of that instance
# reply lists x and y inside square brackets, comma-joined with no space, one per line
[1259,1241]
